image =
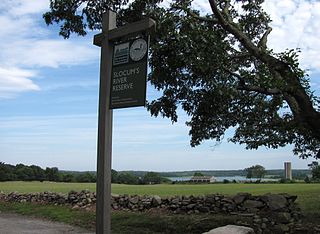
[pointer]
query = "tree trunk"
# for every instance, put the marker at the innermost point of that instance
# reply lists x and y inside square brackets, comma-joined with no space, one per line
[301,105]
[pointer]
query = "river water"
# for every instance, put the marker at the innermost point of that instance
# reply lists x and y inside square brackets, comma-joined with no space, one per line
[222,178]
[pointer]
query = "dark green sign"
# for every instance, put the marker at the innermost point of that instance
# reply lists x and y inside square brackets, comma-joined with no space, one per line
[129,74]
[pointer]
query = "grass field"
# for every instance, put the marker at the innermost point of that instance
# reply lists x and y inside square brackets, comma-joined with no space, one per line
[143,223]
[308,194]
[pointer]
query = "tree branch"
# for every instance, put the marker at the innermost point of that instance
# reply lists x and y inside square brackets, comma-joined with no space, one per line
[201,18]
[294,106]
[263,41]
[240,56]
[231,27]
[196,16]
[226,7]
[244,86]
[260,90]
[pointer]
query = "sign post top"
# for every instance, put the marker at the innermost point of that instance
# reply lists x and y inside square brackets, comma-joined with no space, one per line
[144,25]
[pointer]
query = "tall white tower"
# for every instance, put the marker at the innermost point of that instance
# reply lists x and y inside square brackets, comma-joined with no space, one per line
[287,171]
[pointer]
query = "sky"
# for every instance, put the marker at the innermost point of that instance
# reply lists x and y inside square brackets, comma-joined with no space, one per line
[49,99]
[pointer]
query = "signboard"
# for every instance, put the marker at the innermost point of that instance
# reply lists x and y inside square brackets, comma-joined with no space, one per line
[129,74]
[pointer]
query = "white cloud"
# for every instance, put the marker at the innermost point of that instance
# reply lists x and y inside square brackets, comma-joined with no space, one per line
[15,80]
[48,53]
[23,7]
[26,44]
[295,25]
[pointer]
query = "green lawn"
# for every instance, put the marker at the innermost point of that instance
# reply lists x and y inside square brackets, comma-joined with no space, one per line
[308,194]
[131,222]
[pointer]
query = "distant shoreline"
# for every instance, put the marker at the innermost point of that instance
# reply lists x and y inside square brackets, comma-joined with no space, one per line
[222,178]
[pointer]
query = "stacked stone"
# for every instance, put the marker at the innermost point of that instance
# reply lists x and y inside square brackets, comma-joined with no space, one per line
[270,213]
[214,203]
[83,199]
[135,202]
[43,198]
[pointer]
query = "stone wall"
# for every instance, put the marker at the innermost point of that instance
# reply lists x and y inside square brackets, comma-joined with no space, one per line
[278,211]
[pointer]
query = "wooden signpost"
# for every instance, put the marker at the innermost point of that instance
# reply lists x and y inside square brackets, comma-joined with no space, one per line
[123,70]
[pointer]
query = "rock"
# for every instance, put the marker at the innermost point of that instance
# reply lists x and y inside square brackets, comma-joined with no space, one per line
[283,217]
[134,200]
[227,200]
[292,199]
[257,220]
[274,201]
[240,197]
[175,201]
[246,214]
[251,204]
[204,209]
[281,228]
[210,199]
[231,229]
[75,207]
[156,200]
[115,196]
[191,206]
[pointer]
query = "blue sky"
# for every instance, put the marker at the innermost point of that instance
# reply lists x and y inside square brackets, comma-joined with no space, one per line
[49,99]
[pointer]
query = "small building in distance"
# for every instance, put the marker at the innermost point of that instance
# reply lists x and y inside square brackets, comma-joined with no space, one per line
[202,179]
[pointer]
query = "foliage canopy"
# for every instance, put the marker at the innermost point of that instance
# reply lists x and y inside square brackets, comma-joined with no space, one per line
[217,67]
[256,171]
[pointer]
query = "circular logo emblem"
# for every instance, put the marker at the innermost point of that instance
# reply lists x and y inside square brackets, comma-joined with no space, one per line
[138,49]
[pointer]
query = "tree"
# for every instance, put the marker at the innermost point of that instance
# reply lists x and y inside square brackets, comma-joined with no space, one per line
[7,172]
[151,178]
[85,177]
[217,68]
[315,170]
[67,177]
[197,174]
[52,174]
[316,173]
[114,176]
[249,173]
[24,173]
[127,178]
[256,171]
[38,173]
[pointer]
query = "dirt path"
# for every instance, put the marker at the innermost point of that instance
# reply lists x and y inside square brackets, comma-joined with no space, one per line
[18,224]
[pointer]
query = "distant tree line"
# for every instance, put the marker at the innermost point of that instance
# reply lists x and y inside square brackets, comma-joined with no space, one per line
[131,178]
[21,172]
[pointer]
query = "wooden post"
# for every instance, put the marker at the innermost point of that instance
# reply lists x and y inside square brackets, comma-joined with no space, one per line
[104,151]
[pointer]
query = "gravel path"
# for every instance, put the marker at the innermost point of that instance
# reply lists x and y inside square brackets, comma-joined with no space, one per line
[18,224]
